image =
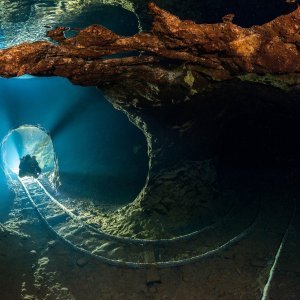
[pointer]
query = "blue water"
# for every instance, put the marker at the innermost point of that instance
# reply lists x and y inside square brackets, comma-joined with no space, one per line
[95,144]
[29,20]
[101,154]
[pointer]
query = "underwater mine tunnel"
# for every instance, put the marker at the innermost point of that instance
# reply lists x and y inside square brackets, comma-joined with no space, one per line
[246,139]
[200,145]
[28,141]
[204,151]
[208,173]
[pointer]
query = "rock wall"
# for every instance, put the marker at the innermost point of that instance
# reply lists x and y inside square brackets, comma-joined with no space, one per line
[181,192]
[247,13]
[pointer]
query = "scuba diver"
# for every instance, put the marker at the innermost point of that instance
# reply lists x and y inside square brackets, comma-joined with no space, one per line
[29,167]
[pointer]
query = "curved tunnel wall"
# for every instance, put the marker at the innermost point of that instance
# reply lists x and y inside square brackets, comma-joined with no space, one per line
[101,154]
[117,164]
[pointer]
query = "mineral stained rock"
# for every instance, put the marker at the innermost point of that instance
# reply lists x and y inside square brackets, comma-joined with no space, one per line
[180,83]
[225,49]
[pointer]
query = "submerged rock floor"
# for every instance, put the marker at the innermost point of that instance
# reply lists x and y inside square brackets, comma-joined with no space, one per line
[34,265]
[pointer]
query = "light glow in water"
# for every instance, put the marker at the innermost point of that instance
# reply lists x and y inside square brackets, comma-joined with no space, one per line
[26,76]
[32,140]
[13,162]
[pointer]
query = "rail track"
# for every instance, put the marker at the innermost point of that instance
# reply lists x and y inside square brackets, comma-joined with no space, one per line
[136,253]
[247,224]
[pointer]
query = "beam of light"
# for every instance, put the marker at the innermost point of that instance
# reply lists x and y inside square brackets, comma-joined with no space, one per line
[10,155]
[71,114]
[8,106]
[35,141]
[4,117]
[18,143]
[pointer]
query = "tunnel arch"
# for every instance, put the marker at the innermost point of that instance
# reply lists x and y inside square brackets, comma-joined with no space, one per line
[32,140]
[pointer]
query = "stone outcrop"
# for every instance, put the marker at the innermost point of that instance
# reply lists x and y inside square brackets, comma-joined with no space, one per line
[225,49]
[179,83]
[247,12]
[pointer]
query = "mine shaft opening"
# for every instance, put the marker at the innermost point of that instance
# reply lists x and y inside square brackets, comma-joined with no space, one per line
[29,144]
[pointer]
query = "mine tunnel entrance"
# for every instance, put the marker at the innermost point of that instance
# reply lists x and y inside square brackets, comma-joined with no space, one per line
[33,141]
